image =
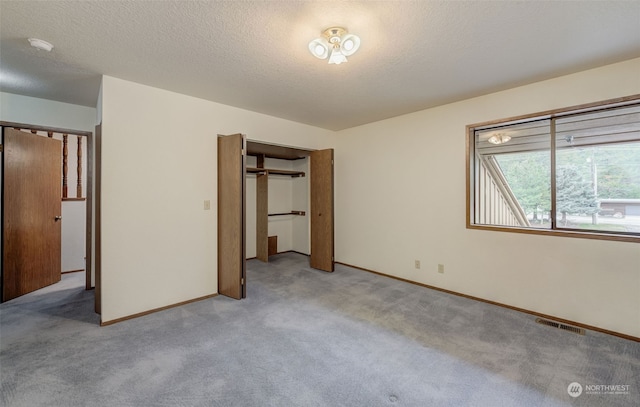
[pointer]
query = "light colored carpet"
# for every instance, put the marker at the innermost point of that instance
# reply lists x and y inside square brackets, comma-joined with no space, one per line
[303,338]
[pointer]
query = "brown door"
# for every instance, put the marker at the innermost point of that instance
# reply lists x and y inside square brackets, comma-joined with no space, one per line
[262,217]
[321,177]
[31,213]
[231,216]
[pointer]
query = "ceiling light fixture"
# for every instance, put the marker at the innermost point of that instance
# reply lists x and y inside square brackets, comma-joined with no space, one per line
[499,138]
[335,43]
[40,44]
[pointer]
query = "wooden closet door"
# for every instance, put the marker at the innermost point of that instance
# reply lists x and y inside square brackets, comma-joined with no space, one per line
[262,217]
[231,216]
[321,180]
[32,213]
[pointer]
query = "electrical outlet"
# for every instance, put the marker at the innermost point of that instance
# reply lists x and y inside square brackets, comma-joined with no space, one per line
[207,205]
[441,268]
[417,264]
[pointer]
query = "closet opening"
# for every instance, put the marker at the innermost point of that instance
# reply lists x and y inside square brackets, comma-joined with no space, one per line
[272,199]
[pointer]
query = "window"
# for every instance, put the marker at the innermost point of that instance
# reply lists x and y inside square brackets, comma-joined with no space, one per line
[573,172]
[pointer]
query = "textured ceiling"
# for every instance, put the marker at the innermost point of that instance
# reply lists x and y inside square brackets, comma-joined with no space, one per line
[253,54]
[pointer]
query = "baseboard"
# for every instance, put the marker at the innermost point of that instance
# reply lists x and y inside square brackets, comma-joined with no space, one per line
[526,311]
[286,251]
[293,251]
[141,314]
[72,271]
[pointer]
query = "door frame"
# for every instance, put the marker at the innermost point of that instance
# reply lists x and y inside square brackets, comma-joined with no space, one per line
[90,212]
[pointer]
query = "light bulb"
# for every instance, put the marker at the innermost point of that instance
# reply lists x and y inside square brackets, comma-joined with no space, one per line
[337,57]
[350,44]
[319,48]
[499,138]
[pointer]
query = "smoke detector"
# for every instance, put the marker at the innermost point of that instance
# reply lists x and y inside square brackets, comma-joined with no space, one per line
[40,44]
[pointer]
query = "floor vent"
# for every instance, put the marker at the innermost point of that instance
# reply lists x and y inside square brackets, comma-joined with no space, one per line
[561,326]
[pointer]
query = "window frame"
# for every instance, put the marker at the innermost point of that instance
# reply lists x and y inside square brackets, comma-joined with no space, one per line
[471,166]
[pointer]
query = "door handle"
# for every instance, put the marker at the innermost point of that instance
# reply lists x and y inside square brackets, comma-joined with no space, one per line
[57,218]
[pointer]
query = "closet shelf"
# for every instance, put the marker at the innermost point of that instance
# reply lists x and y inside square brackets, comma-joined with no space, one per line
[301,213]
[269,171]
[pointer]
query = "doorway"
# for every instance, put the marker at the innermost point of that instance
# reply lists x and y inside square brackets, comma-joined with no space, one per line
[77,160]
[232,203]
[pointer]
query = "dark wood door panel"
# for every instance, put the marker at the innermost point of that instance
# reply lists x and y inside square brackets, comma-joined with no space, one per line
[321,208]
[32,205]
[262,217]
[231,216]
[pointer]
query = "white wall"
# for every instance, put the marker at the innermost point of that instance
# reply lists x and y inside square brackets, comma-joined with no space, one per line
[158,166]
[400,196]
[74,218]
[41,112]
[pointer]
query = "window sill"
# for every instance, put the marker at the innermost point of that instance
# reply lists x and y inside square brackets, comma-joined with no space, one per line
[560,233]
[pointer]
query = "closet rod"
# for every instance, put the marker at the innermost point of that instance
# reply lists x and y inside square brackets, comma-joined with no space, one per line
[301,213]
